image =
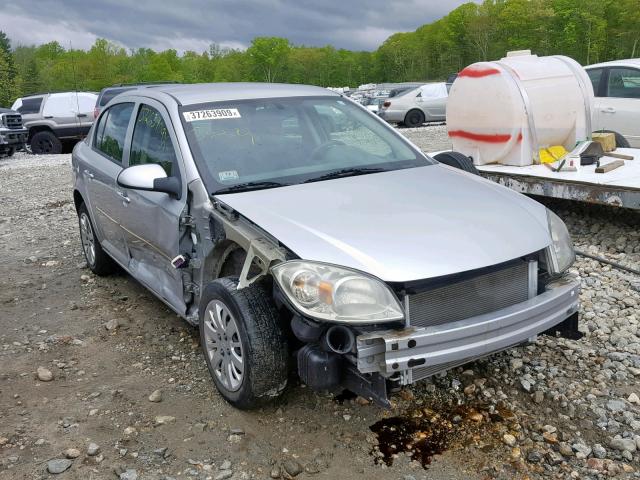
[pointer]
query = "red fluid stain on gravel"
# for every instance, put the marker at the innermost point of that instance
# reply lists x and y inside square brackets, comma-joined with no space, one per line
[424,433]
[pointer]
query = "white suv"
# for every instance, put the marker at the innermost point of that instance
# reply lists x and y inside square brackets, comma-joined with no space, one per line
[54,117]
[617,98]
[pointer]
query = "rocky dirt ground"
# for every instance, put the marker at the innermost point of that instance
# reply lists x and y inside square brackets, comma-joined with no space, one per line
[99,380]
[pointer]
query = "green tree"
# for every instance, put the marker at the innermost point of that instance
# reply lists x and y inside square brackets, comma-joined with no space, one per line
[268,57]
[7,71]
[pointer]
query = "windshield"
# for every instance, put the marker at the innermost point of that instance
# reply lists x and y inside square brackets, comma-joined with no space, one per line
[272,142]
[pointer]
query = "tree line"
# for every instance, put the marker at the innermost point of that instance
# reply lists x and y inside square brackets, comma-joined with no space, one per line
[589,31]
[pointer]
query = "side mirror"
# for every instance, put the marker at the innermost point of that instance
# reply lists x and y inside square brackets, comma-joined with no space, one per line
[149,177]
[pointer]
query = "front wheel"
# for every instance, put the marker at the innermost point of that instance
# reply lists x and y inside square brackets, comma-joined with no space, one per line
[243,343]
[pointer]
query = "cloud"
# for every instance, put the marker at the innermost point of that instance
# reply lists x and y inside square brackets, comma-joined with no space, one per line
[194,24]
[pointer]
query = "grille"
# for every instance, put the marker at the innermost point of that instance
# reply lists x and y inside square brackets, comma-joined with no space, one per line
[13,121]
[484,293]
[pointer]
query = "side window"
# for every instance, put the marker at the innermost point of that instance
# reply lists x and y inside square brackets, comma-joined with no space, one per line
[30,105]
[151,141]
[595,75]
[99,129]
[110,136]
[624,83]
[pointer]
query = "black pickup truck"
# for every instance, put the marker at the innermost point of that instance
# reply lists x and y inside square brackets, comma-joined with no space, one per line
[13,135]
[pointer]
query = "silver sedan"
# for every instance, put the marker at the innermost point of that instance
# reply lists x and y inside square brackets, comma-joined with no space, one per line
[297,230]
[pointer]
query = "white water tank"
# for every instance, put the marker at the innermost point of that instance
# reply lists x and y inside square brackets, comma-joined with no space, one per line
[505,111]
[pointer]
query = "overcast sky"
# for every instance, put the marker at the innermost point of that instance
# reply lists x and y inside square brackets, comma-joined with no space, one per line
[194,24]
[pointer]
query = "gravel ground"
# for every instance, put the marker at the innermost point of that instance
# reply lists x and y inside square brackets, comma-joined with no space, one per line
[100,380]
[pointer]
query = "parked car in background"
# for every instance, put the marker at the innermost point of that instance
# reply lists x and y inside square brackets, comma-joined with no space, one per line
[373,104]
[284,218]
[13,135]
[52,118]
[412,108]
[107,93]
[616,108]
[397,91]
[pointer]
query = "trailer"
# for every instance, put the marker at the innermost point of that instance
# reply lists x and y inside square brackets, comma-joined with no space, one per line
[507,116]
[619,187]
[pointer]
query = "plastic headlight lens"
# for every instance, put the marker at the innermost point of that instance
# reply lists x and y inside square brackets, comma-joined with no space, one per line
[336,294]
[560,253]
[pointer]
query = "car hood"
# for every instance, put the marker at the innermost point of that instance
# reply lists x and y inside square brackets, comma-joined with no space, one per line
[402,225]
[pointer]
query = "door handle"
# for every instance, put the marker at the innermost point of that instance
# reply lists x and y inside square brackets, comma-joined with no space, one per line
[48,116]
[608,110]
[88,173]
[123,195]
[81,115]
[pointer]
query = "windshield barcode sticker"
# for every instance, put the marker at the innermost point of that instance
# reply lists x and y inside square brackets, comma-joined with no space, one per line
[215,114]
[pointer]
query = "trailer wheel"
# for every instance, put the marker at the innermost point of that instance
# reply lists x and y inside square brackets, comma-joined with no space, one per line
[620,140]
[457,160]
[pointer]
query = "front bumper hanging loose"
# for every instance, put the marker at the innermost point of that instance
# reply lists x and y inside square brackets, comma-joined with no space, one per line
[396,351]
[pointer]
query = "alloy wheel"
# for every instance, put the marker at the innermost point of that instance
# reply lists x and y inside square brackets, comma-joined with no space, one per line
[87,238]
[223,345]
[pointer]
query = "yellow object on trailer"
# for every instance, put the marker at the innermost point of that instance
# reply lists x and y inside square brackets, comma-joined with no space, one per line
[552,154]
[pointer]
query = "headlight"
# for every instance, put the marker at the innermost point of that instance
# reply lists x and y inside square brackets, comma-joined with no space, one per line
[560,253]
[336,294]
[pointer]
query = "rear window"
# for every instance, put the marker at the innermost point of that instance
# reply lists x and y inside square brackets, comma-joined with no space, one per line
[108,94]
[30,105]
[112,130]
[595,75]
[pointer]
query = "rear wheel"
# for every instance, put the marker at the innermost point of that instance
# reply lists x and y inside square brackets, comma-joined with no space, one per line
[457,160]
[621,142]
[98,261]
[243,343]
[414,118]
[45,142]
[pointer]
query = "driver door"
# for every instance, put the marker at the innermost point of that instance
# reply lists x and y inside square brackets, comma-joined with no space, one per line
[151,220]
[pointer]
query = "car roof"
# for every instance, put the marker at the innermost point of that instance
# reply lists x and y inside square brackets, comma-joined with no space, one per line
[189,94]
[629,62]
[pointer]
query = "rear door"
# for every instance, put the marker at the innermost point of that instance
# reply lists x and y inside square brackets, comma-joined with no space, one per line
[100,169]
[619,109]
[83,109]
[59,111]
[151,220]
[433,100]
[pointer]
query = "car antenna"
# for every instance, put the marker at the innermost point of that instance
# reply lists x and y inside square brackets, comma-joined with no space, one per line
[75,81]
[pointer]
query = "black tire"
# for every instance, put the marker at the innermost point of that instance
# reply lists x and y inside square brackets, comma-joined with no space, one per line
[414,118]
[457,160]
[620,140]
[45,143]
[265,350]
[101,264]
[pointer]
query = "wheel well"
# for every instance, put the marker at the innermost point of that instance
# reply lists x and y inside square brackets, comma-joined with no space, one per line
[415,110]
[38,128]
[77,199]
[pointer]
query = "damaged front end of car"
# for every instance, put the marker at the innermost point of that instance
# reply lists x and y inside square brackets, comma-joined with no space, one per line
[370,337]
